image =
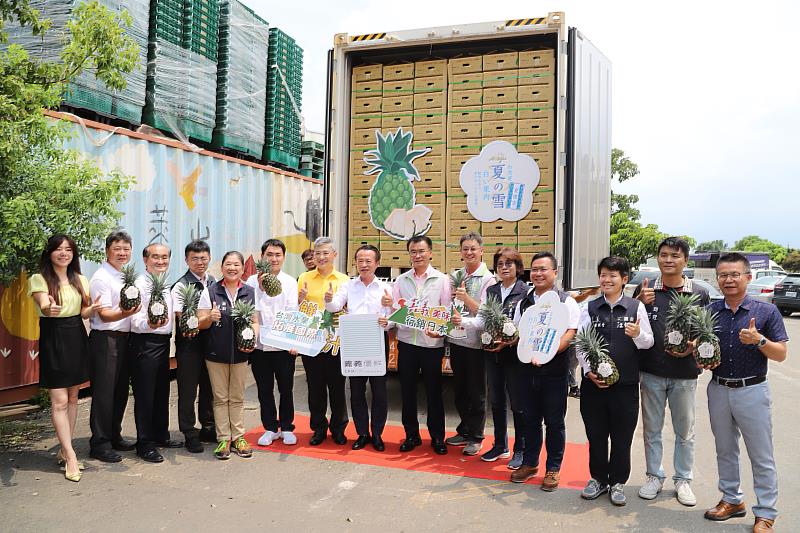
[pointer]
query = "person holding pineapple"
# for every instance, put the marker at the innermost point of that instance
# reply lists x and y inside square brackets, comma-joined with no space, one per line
[750,334]
[418,351]
[194,385]
[275,291]
[469,286]
[362,295]
[151,332]
[542,389]
[109,368]
[612,333]
[323,371]
[227,309]
[668,372]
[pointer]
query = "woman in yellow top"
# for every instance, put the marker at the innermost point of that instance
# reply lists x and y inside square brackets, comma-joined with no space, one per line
[62,295]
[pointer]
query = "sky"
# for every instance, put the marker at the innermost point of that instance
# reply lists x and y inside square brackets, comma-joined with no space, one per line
[706,96]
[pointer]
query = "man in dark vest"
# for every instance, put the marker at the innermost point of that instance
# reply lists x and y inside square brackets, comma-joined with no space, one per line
[190,354]
[543,388]
[611,412]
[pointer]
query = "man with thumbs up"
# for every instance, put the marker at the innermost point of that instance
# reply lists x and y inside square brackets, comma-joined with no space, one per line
[323,371]
[750,334]
[667,377]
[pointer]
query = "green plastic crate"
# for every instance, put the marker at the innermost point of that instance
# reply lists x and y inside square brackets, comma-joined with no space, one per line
[274,155]
[85,98]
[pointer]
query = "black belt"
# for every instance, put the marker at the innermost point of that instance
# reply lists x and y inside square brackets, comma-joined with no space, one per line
[739,383]
[112,332]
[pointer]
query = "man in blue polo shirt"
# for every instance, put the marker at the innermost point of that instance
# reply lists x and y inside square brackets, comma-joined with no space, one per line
[750,333]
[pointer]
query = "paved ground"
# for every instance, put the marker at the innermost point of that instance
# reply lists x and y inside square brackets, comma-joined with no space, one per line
[291,493]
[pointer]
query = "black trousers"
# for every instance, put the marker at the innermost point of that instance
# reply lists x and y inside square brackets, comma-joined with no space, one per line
[543,400]
[325,381]
[194,387]
[501,377]
[410,360]
[379,407]
[609,414]
[110,375]
[269,367]
[469,388]
[149,356]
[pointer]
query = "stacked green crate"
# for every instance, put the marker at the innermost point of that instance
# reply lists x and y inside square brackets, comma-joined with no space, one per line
[241,79]
[127,103]
[312,155]
[284,100]
[181,82]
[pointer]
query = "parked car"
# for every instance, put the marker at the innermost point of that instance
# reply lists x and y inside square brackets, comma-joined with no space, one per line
[713,293]
[787,294]
[768,273]
[636,279]
[764,288]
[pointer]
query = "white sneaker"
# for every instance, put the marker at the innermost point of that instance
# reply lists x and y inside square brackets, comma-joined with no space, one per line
[683,491]
[289,438]
[268,437]
[651,488]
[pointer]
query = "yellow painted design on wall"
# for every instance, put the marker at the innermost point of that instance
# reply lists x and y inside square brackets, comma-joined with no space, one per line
[187,185]
[18,310]
[296,244]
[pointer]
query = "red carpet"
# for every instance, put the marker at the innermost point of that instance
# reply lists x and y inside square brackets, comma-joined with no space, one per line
[574,470]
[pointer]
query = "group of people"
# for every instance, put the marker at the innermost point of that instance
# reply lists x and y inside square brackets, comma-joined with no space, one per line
[124,347]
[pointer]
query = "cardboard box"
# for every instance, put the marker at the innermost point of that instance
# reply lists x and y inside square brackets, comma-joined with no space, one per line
[453,259]
[511,139]
[430,100]
[458,115]
[492,112]
[464,130]
[464,98]
[435,148]
[391,88]
[538,59]
[532,129]
[530,76]
[367,105]
[392,122]
[501,229]
[430,116]
[367,88]
[543,206]
[464,65]
[357,164]
[465,82]
[500,61]
[430,163]
[430,181]
[362,122]
[430,83]
[457,210]
[458,228]
[531,110]
[362,227]
[360,183]
[500,95]
[528,251]
[500,78]
[429,132]
[431,67]
[543,94]
[399,71]
[536,229]
[499,128]
[392,246]
[367,72]
[358,208]
[396,104]
[363,138]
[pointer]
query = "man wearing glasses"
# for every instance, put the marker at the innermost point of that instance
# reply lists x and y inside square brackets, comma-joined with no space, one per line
[750,334]
[323,371]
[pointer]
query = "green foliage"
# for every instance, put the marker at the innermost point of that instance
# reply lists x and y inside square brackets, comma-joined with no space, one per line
[792,261]
[713,246]
[45,189]
[631,240]
[754,243]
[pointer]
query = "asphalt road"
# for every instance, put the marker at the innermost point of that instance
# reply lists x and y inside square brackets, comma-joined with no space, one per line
[289,493]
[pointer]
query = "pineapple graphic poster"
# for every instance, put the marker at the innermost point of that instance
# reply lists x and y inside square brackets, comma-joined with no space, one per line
[419,315]
[541,328]
[499,183]
[392,198]
[297,330]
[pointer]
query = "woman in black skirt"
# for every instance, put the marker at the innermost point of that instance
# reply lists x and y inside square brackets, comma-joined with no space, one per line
[62,295]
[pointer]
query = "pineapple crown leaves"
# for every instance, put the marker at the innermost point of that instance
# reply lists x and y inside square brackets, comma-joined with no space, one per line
[262,266]
[681,305]
[457,277]
[190,297]
[491,311]
[704,321]
[393,155]
[129,274]
[158,282]
[242,312]
[591,343]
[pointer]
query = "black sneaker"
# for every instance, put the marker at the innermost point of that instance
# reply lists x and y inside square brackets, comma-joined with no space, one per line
[457,440]
[193,445]
[494,454]
[575,392]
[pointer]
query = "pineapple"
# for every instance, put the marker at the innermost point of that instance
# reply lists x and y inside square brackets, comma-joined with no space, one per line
[189,324]
[270,283]
[707,351]
[129,296]
[157,310]
[394,188]
[242,313]
[679,322]
[497,326]
[595,348]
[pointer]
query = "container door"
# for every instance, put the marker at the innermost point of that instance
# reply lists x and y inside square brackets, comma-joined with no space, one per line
[588,170]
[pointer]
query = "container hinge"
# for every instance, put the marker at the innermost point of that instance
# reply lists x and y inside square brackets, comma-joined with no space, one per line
[562,216]
[562,103]
[562,159]
[565,46]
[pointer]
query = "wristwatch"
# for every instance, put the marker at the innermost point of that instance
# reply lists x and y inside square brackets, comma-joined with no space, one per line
[762,341]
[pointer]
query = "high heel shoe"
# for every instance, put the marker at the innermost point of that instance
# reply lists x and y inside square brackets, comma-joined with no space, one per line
[73,476]
[62,462]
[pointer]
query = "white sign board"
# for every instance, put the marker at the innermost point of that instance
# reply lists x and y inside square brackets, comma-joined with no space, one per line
[363,348]
[541,328]
[297,330]
[499,183]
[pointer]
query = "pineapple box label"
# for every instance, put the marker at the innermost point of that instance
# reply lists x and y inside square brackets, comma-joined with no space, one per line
[418,315]
[499,183]
[541,328]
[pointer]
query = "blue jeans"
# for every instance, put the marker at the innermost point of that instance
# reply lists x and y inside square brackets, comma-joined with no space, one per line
[656,392]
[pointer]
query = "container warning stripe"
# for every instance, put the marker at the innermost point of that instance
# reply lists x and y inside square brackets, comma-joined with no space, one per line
[526,22]
[368,37]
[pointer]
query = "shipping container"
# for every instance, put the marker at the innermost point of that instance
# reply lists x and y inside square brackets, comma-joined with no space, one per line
[535,83]
[181,193]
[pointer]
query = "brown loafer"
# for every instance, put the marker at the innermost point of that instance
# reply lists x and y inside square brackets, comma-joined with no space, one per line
[551,478]
[763,525]
[524,473]
[725,510]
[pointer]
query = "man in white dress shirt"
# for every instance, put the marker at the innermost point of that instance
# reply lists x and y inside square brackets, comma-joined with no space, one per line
[362,295]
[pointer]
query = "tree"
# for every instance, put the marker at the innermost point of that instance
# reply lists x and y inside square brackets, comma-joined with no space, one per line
[754,243]
[45,189]
[792,261]
[713,246]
